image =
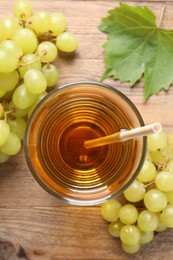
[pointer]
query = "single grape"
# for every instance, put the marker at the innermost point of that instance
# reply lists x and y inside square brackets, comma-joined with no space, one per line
[155,200]
[4,132]
[3,157]
[29,61]
[41,22]
[130,235]
[128,214]
[169,195]
[164,180]
[115,227]
[8,27]
[130,249]
[57,23]
[26,39]
[47,51]
[148,221]
[17,126]
[67,42]
[110,210]
[22,98]
[22,9]
[135,192]
[167,216]
[146,237]
[35,81]
[12,146]
[9,80]
[147,173]
[157,141]
[12,47]
[8,62]
[51,73]
[15,111]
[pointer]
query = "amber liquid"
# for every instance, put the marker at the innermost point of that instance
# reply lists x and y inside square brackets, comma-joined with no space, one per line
[58,158]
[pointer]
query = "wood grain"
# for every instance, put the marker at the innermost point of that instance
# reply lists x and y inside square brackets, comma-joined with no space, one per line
[35,225]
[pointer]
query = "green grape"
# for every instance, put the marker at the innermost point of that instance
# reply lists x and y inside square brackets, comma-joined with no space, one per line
[167,216]
[17,126]
[58,23]
[41,22]
[146,237]
[15,111]
[3,157]
[130,235]
[110,209]
[35,81]
[29,61]
[128,214]
[67,42]
[169,195]
[164,180]
[4,132]
[22,9]
[47,51]
[8,27]
[157,141]
[147,173]
[12,146]
[8,62]
[148,221]
[130,249]
[22,98]
[51,73]
[135,192]
[38,99]
[115,227]
[26,39]
[12,47]
[155,200]
[8,81]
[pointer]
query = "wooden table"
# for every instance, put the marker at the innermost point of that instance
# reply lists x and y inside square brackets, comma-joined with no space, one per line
[36,226]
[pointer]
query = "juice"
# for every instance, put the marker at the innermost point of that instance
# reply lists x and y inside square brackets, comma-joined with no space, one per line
[54,143]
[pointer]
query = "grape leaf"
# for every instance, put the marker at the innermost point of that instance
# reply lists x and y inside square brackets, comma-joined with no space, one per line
[136,47]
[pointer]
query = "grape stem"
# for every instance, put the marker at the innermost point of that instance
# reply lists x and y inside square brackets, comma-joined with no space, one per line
[30,62]
[5,115]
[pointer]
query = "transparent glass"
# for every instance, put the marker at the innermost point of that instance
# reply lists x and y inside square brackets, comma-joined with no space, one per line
[55,135]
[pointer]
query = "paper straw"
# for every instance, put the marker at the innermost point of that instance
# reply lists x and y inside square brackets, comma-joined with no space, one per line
[124,135]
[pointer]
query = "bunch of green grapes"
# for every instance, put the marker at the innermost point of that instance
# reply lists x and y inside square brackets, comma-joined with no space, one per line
[148,206]
[29,44]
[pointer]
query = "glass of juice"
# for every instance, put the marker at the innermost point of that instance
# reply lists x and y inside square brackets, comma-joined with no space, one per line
[54,143]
